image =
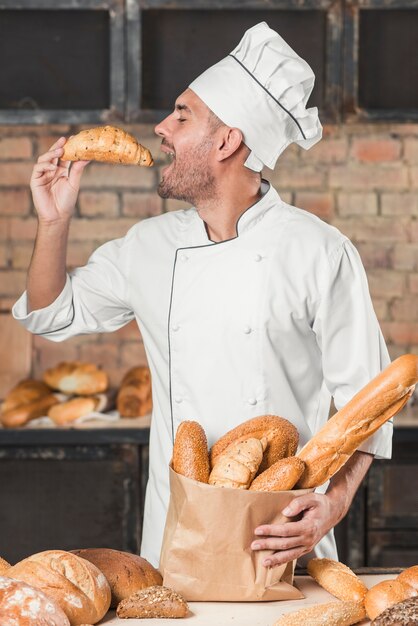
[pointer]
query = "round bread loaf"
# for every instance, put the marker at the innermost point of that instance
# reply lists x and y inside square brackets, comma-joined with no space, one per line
[67,412]
[282,438]
[78,586]
[125,572]
[4,566]
[23,605]
[384,595]
[281,476]
[410,577]
[337,579]
[190,452]
[402,614]
[76,377]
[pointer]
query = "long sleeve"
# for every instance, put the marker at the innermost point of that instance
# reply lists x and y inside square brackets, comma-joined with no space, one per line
[94,299]
[348,334]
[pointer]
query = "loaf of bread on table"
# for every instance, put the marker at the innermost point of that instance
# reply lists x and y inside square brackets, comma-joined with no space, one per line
[108,144]
[76,377]
[371,407]
[337,579]
[402,614]
[190,452]
[4,566]
[282,438]
[23,414]
[238,464]
[67,412]
[76,585]
[126,573]
[329,614]
[134,397]
[23,605]
[157,602]
[385,594]
[410,577]
[281,476]
[25,392]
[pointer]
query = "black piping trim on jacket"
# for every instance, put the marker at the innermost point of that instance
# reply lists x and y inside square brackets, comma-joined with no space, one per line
[270,94]
[206,245]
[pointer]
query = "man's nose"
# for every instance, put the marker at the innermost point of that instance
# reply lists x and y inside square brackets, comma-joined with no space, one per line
[161,129]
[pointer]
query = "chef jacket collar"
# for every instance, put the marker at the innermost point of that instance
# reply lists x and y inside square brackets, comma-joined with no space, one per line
[247,220]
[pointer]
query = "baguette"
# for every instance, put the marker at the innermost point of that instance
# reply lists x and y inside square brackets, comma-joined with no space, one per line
[190,452]
[281,476]
[371,407]
[67,412]
[337,579]
[329,614]
[134,397]
[25,392]
[27,412]
[385,594]
[107,144]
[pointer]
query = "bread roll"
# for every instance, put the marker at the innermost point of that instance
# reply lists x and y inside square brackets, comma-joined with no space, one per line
[134,397]
[23,605]
[281,476]
[337,579]
[329,614]
[80,589]
[159,602]
[282,438]
[384,595]
[66,412]
[371,407]
[190,452]
[238,464]
[27,412]
[125,572]
[4,566]
[75,377]
[25,392]
[108,144]
[402,614]
[410,577]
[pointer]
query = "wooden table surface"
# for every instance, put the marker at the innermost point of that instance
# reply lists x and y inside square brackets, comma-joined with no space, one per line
[247,613]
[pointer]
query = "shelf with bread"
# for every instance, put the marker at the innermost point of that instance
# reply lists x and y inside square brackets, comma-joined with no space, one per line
[77,395]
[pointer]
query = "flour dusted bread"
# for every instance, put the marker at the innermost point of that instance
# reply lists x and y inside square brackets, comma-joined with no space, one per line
[282,438]
[238,464]
[329,614]
[337,579]
[385,594]
[108,144]
[281,476]
[190,452]
[76,585]
[156,602]
[4,566]
[371,407]
[134,397]
[23,605]
[76,377]
[126,573]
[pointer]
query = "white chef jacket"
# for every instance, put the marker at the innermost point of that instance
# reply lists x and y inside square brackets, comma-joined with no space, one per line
[276,320]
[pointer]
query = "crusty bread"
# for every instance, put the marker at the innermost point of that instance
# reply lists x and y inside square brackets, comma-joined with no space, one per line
[78,586]
[371,407]
[238,464]
[24,413]
[4,566]
[281,476]
[190,452]
[384,595]
[402,614]
[134,397]
[125,572]
[282,438]
[410,577]
[154,601]
[337,579]
[23,605]
[76,377]
[108,144]
[329,614]
[66,412]
[25,392]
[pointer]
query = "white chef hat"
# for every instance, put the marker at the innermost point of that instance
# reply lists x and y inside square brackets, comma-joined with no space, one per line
[262,88]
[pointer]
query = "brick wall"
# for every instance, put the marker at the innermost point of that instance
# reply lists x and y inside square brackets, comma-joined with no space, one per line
[361,178]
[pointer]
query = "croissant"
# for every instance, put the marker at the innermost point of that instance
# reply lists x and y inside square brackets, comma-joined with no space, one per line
[237,466]
[108,144]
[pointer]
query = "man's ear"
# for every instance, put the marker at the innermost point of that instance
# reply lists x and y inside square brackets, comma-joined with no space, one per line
[229,141]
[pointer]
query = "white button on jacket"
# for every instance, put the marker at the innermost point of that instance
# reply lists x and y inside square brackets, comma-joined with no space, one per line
[296,282]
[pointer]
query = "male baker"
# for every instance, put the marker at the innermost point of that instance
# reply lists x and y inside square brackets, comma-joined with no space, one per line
[246,304]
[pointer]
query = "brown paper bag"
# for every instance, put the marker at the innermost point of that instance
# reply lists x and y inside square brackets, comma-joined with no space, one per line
[206,553]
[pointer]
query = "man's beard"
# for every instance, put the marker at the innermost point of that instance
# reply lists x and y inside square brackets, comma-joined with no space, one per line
[190,178]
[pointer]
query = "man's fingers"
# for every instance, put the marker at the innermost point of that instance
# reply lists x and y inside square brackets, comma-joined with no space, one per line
[58,144]
[41,168]
[280,558]
[290,529]
[297,505]
[51,156]
[76,172]
[278,543]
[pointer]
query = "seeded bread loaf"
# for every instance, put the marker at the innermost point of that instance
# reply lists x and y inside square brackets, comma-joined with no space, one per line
[158,601]
[337,579]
